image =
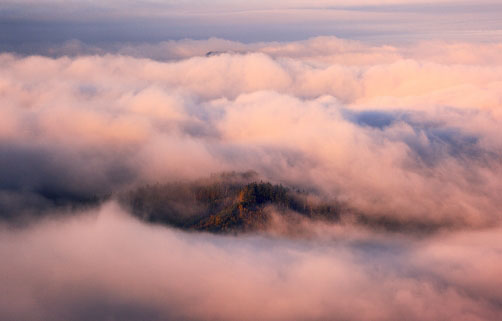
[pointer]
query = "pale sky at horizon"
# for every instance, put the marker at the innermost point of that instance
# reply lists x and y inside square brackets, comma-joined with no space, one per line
[27,24]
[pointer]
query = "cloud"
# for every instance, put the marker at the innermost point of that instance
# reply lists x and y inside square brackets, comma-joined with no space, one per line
[403,134]
[106,265]
[410,133]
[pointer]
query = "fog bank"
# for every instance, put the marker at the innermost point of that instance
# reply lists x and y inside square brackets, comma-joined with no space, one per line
[104,265]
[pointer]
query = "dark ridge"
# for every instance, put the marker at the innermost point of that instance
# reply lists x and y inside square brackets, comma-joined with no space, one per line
[230,202]
[400,225]
[214,53]
[241,202]
[23,208]
[221,52]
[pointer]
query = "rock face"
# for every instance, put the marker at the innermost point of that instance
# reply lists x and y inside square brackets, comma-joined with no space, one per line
[228,203]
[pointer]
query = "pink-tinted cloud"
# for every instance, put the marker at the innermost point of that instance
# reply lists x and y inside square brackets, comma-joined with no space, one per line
[409,132]
[106,266]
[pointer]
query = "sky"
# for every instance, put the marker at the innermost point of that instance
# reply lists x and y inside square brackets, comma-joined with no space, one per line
[29,25]
[391,108]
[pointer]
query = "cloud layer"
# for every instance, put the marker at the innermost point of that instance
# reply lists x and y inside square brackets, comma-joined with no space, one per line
[409,132]
[106,266]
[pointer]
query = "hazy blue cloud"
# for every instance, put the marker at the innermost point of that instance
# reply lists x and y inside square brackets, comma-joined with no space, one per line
[27,25]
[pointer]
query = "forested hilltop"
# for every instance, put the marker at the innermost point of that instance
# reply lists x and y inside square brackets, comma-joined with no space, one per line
[228,202]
